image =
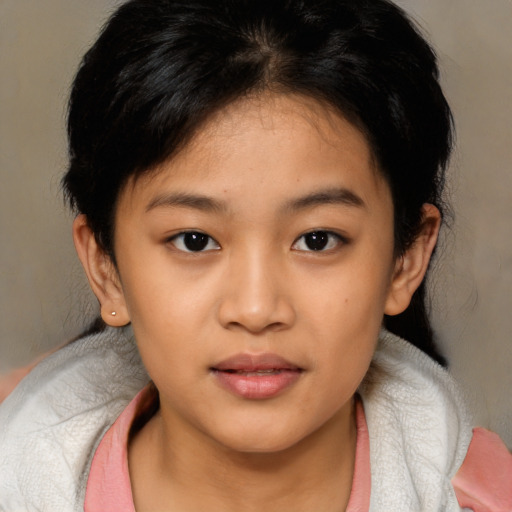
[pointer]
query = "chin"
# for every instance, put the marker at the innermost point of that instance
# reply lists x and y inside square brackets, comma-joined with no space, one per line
[260,446]
[260,440]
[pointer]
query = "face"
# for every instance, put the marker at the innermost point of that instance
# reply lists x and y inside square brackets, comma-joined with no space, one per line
[255,267]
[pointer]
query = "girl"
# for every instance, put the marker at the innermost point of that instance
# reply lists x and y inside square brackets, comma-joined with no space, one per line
[258,188]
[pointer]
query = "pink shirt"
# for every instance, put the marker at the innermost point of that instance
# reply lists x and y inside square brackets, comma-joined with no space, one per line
[483,483]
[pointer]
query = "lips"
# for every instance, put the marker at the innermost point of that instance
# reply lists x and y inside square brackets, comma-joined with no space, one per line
[256,376]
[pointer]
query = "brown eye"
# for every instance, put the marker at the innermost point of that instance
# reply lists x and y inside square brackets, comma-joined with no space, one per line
[194,241]
[318,241]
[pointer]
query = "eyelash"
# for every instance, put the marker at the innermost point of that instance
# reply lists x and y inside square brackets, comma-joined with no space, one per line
[330,239]
[200,237]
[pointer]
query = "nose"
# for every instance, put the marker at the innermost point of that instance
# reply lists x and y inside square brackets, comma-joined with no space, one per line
[256,296]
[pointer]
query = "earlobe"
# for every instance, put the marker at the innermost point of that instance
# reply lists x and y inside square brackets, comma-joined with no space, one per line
[101,273]
[411,267]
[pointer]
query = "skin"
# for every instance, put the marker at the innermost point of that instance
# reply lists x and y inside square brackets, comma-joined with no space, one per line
[263,173]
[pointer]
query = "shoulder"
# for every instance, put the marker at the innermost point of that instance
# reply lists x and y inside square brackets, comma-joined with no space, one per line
[484,481]
[418,426]
[51,423]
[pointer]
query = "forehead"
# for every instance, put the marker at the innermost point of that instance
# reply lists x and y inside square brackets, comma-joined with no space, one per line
[266,140]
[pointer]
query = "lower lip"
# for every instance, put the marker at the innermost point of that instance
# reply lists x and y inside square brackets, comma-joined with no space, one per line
[257,387]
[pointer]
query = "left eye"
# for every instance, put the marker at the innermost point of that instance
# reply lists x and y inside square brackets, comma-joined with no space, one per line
[317,241]
[194,241]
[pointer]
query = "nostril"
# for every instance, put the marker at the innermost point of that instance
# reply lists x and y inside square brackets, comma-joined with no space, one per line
[256,308]
[257,327]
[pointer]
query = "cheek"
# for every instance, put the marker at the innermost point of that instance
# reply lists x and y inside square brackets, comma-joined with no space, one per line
[171,312]
[349,300]
[345,317]
[156,292]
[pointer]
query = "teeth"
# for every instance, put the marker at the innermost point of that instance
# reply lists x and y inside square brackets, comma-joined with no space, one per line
[255,373]
[261,372]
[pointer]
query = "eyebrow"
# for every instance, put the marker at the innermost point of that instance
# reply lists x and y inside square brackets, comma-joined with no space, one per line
[179,199]
[336,196]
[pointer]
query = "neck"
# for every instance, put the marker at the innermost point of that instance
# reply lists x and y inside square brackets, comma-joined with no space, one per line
[188,472]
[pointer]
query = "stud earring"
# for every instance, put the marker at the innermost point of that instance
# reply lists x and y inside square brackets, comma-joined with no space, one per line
[114,313]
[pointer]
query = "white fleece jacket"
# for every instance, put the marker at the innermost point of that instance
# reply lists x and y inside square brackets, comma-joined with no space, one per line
[52,423]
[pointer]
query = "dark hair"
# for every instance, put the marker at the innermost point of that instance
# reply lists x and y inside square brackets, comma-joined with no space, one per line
[160,68]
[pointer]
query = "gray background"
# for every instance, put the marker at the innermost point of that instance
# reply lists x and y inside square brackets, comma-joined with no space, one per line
[44,298]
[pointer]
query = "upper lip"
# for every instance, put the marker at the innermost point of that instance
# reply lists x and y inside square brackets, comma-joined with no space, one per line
[254,362]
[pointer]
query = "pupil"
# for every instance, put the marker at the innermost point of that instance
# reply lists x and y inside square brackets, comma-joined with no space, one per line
[317,241]
[195,241]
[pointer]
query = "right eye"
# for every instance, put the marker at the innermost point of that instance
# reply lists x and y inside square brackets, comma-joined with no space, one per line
[194,241]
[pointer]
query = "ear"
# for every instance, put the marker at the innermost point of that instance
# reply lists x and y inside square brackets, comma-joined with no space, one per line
[102,274]
[411,267]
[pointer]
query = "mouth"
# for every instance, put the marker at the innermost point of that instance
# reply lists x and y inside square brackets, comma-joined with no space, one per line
[256,373]
[256,376]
